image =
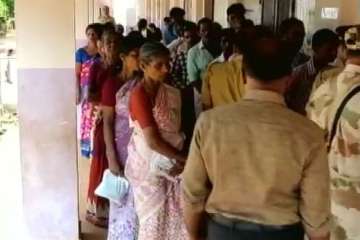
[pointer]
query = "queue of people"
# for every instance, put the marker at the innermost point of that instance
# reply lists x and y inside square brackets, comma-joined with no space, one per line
[230,133]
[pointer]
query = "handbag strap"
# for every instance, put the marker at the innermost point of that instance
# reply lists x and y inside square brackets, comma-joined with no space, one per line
[339,111]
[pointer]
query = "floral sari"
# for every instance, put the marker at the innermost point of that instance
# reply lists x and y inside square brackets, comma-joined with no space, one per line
[157,198]
[88,109]
[122,218]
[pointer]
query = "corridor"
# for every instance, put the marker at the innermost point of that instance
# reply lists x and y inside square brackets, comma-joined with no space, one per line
[177,102]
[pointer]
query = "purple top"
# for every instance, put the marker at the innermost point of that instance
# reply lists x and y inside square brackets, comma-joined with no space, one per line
[122,128]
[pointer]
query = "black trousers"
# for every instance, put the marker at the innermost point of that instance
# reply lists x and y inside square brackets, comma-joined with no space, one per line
[216,231]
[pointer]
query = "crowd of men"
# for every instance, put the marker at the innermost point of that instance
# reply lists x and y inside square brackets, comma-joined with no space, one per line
[277,153]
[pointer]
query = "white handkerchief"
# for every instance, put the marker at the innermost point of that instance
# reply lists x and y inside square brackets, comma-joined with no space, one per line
[112,187]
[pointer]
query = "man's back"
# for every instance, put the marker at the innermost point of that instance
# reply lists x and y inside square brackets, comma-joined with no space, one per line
[260,159]
[223,83]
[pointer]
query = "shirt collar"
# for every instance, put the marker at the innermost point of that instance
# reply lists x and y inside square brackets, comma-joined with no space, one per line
[352,68]
[201,45]
[264,96]
[220,59]
[236,57]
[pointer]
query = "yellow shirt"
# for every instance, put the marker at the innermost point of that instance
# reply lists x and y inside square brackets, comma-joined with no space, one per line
[223,84]
[258,161]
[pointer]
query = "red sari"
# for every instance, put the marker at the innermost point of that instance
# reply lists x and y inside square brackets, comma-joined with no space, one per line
[98,208]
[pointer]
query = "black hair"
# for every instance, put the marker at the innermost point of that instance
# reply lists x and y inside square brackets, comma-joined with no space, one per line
[167,19]
[109,33]
[130,43]
[109,27]
[152,25]
[190,26]
[97,27]
[135,34]
[353,53]
[205,20]
[247,23]
[324,36]
[120,28]
[217,27]
[177,12]
[142,23]
[266,59]
[236,9]
[151,50]
[288,24]
[243,38]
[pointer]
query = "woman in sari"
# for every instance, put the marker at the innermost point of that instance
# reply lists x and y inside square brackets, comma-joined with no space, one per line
[97,207]
[85,58]
[122,218]
[154,159]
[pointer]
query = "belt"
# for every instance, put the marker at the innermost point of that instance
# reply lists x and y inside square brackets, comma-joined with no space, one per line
[249,226]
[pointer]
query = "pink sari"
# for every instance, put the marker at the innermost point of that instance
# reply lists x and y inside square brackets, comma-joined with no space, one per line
[157,198]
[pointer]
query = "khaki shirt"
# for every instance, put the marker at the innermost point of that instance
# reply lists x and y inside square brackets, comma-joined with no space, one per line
[258,161]
[344,155]
[223,83]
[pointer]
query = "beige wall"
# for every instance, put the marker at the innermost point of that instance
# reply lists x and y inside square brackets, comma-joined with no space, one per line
[46,26]
[349,13]
[200,9]
[82,17]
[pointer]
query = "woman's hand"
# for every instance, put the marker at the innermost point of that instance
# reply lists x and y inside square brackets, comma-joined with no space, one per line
[115,169]
[114,166]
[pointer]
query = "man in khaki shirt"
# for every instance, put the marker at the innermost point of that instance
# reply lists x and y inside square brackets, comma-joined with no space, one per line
[257,170]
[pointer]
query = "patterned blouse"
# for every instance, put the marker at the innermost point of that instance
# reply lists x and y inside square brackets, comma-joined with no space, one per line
[178,70]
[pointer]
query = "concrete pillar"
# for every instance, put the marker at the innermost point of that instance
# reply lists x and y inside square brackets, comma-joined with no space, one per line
[47,115]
